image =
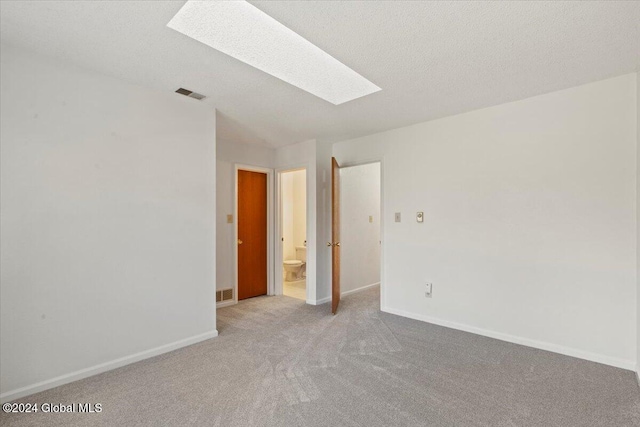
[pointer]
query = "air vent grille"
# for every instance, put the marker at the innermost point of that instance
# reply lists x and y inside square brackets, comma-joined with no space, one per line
[190,94]
[224,295]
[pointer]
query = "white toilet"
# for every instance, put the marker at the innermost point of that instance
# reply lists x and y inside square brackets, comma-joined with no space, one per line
[294,269]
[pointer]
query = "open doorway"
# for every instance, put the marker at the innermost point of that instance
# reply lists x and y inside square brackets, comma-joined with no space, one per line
[293,232]
[360,227]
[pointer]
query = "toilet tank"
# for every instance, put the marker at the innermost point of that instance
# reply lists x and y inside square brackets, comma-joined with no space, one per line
[301,253]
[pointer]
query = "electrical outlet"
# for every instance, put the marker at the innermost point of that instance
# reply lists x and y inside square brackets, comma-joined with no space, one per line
[428,289]
[420,217]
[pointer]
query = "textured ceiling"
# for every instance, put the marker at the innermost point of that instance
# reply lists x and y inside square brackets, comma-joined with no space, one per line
[431,59]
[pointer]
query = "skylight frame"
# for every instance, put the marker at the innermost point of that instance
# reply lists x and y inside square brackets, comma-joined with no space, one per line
[244,32]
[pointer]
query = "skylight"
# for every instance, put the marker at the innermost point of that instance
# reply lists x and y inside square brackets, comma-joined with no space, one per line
[244,32]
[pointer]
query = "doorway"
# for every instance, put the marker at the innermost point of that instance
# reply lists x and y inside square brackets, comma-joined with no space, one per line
[293,233]
[360,227]
[253,236]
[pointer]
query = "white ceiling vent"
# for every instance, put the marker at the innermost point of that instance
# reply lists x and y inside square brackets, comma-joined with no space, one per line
[190,94]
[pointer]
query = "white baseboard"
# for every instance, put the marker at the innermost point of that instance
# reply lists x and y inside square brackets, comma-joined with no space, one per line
[328,299]
[103,367]
[353,291]
[555,348]
[225,303]
[319,301]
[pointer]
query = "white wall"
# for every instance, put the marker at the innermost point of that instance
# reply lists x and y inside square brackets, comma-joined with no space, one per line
[313,156]
[228,153]
[530,220]
[638,225]
[108,222]
[359,238]
[293,156]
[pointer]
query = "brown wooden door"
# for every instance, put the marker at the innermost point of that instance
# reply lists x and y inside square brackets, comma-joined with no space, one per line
[252,234]
[335,235]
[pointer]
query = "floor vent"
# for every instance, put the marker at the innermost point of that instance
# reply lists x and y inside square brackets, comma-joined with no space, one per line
[190,94]
[224,295]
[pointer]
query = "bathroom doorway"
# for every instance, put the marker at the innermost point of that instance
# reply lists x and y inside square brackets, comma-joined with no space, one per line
[293,233]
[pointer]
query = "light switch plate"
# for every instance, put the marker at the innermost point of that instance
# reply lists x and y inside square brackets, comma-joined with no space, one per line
[420,217]
[428,289]
[397,216]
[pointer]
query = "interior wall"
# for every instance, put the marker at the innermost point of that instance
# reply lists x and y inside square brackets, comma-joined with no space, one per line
[229,153]
[530,220]
[359,226]
[638,224]
[108,222]
[293,156]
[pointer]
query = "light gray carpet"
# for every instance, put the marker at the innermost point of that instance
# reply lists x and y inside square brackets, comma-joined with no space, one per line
[279,362]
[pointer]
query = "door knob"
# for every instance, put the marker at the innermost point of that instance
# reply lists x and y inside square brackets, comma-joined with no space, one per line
[240,242]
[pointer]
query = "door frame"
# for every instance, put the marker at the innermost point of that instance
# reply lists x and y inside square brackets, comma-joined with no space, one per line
[380,160]
[310,287]
[270,272]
